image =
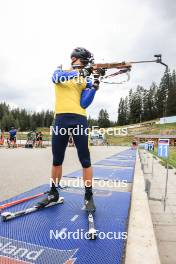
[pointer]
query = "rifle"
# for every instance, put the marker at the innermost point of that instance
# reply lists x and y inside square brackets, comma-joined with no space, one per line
[122,67]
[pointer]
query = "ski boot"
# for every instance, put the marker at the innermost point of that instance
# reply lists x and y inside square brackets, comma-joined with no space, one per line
[53,197]
[89,203]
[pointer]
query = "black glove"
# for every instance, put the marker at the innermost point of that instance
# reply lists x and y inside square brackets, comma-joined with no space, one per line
[96,84]
[101,71]
[86,71]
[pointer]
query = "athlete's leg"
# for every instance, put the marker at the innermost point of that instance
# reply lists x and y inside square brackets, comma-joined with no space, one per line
[59,144]
[87,176]
[81,143]
[15,142]
[56,174]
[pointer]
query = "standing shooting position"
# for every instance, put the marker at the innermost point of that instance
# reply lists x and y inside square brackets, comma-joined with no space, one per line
[74,92]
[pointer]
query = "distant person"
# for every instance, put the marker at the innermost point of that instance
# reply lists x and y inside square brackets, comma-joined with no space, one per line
[134,144]
[12,136]
[39,139]
[36,139]
[1,137]
[31,137]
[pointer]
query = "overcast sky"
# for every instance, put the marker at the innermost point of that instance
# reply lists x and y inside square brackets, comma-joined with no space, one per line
[38,35]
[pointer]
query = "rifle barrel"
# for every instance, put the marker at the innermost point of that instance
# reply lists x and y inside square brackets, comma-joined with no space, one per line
[145,61]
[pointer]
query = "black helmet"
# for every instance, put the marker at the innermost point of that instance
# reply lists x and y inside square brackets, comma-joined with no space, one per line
[83,54]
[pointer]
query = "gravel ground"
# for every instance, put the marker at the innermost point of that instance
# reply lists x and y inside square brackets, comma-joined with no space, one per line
[23,169]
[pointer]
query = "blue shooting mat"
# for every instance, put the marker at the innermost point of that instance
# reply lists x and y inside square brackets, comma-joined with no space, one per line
[42,237]
[128,152]
[120,163]
[122,157]
[105,173]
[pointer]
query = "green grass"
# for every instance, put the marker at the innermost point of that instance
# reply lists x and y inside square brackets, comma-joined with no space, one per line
[119,141]
[145,128]
[172,157]
[169,125]
[154,129]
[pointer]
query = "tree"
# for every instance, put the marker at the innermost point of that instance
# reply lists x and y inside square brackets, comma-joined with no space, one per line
[149,105]
[171,99]
[103,119]
[22,119]
[92,122]
[162,93]
[48,119]
[135,105]
[121,113]
[126,110]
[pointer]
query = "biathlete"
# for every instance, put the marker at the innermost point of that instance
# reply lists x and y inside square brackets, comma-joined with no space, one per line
[74,92]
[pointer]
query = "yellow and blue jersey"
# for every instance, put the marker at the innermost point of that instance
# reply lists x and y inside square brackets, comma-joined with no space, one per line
[73,94]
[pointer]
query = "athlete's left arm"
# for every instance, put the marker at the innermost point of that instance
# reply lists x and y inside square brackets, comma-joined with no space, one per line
[88,94]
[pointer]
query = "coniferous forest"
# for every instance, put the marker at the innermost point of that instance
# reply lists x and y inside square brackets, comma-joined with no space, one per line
[22,119]
[146,104]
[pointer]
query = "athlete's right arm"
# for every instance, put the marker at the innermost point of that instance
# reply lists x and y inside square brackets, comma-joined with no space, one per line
[60,76]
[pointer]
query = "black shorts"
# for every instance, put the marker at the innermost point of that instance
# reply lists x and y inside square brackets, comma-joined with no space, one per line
[12,139]
[63,124]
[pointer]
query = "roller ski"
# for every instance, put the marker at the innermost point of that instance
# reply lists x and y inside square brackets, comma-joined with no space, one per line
[11,215]
[51,200]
